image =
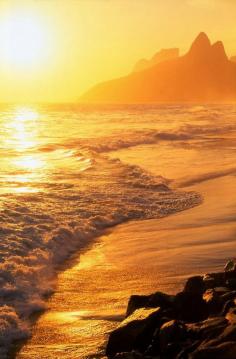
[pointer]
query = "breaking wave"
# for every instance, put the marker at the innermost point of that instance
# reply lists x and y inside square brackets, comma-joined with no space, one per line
[40,230]
[189,181]
[205,135]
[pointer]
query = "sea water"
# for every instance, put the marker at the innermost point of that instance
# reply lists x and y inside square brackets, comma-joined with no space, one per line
[68,173]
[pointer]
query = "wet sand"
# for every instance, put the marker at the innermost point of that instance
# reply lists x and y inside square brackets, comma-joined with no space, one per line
[138,257]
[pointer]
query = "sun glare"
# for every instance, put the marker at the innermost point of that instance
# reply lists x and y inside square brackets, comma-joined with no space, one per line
[23,129]
[29,162]
[24,39]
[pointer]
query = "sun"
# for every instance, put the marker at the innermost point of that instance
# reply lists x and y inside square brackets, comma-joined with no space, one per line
[24,39]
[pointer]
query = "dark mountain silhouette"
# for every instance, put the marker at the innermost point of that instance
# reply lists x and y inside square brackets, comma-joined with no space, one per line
[163,55]
[204,74]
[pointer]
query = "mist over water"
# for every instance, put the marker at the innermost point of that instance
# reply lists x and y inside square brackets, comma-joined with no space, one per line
[61,185]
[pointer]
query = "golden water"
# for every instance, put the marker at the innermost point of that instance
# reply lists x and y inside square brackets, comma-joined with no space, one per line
[59,189]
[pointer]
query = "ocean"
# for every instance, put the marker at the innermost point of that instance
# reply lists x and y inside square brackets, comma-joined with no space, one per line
[156,182]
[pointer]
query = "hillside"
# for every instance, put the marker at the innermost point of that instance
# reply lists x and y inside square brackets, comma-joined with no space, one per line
[204,74]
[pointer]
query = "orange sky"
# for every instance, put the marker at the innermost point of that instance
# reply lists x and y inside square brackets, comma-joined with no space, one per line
[77,43]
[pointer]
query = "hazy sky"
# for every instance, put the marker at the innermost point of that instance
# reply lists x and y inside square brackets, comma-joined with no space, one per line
[77,43]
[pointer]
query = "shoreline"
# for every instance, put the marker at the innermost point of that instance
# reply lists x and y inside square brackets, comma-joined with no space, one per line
[69,262]
[73,307]
[61,267]
[56,242]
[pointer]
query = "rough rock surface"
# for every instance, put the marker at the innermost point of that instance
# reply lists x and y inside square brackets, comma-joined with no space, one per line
[197,323]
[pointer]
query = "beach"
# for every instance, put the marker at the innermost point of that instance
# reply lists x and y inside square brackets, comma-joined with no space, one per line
[140,257]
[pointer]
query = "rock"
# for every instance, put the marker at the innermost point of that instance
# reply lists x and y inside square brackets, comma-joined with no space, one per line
[190,307]
[207,329]
[197,323]
[229,296]
[129,355]
[218,279]
[209,281]
[136,302]
[231,283]
[184,353]
[230,274]
[134,332]
[171,332]
[228,334]
[221,290]
[151,351]
[160,299]
[216,299]
[172,350]
[213,301]
[227,305]
[225,350]
[231,316]
[195,285]
[230,266]
[155,300]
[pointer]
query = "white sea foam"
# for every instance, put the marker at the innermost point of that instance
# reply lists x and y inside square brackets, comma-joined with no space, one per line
[39,230]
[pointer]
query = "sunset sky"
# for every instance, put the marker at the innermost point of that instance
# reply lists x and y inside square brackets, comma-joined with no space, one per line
[53,50]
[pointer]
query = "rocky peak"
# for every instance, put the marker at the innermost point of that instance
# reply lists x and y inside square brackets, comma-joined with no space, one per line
[201,45]
[218,51]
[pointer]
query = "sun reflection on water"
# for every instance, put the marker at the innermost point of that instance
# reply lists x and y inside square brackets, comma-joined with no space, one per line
[23,129]
[35,153]
[21,140]
[29,162]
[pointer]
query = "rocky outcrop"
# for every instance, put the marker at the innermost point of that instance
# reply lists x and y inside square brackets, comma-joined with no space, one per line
[134,331]
[204,74]
[163,55]
[197,323]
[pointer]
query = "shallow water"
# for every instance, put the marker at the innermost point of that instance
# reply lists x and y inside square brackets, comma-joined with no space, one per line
[61,186]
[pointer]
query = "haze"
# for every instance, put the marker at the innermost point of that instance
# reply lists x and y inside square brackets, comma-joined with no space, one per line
[82,43]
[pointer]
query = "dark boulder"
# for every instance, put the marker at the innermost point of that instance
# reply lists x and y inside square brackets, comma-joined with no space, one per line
[230,274]
[190,307]
[214,279]
[207,329]
[195,285]
[160,299]
[225,350]
[213,301]
[171,332]
[231,315]
[197,323]
[229,296]
[209,281]
[135,332]
[227,305]
[230,266]
[129,355]
[221,290]
[228,334]
[155,300]
[231,283]
[136,302]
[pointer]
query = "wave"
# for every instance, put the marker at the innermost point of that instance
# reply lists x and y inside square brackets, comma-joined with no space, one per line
[40,230]
[120,140]
[190,181]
